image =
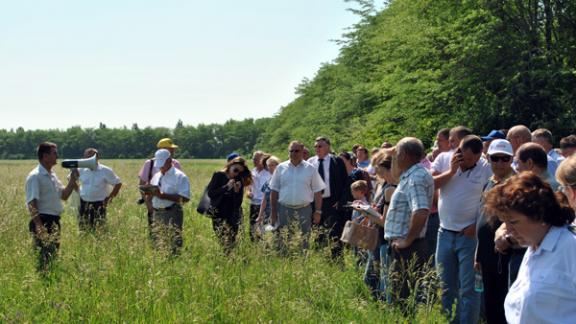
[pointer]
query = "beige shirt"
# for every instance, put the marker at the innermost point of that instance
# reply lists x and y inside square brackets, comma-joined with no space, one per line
[45,187]
[296,185]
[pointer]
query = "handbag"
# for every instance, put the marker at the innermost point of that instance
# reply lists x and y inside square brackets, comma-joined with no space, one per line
[360,235]
[204,204]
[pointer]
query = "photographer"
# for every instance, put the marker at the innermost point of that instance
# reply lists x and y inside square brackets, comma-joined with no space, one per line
[226,191]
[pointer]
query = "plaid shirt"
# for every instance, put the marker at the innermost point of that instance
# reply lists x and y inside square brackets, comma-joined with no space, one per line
[415,191]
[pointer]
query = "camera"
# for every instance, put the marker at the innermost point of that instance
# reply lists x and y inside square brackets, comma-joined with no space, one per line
[140,201]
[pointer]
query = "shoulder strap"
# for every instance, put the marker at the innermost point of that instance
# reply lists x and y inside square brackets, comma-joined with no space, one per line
[150,169]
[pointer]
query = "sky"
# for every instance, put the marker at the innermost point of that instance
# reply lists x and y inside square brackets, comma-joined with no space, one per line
[151,62]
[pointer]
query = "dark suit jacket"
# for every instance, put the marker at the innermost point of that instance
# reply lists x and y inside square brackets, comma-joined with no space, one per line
[338,180]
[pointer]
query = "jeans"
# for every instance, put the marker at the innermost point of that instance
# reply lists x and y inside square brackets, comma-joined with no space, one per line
[376,273]
[455,264]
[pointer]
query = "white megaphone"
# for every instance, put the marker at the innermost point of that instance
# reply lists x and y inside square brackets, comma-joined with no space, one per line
[89,163]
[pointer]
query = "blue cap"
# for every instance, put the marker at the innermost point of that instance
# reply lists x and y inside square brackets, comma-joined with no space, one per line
[232,156]
[494,134]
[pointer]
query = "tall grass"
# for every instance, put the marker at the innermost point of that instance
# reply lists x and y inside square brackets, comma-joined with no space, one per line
[116,275]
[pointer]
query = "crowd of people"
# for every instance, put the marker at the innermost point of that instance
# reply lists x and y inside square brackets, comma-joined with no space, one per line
[493,216]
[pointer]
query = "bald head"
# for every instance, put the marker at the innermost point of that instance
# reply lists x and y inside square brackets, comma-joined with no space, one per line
[519,135]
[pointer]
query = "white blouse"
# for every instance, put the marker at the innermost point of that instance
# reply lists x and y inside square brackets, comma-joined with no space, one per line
[545,289]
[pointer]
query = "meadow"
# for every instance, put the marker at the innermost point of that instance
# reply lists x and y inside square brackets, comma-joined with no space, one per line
[116,276]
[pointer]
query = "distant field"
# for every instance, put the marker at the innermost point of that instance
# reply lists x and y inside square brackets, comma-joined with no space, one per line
[117,277]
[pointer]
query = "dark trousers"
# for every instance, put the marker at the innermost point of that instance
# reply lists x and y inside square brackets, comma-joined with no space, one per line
[495,290]
[408,266]
[226,229]
[432,236]
[49,244]
[331,226]
[92,215]
[254,211]
[516,256]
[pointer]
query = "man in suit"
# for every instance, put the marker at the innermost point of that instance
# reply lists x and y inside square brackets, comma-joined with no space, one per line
[333,171]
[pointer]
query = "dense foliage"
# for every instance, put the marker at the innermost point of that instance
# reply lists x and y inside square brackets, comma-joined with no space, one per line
[407,69]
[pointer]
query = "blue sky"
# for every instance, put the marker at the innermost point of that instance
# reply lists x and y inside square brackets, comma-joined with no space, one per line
[67,63]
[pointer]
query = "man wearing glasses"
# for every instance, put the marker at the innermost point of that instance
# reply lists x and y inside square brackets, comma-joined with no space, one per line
[333,172]
[294,186]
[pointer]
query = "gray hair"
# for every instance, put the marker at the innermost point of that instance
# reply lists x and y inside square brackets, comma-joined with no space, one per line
[411,146]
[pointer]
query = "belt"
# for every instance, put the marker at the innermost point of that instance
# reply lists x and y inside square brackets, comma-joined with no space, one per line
[166,208]
[295,206]
[450,231]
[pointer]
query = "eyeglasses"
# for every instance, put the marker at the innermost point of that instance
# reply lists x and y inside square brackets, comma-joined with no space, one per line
[385,164]
[294,151]
[496,158]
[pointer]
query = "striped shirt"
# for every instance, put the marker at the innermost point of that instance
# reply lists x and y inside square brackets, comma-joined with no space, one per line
[414,192]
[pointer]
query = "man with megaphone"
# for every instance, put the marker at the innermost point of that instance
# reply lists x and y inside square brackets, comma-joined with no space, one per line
[95,181]
[44,195]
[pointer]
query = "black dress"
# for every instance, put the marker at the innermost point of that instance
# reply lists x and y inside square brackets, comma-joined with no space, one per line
[226,209]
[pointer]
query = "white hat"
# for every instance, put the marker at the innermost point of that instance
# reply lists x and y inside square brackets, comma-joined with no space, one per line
[160,157]
[500,146]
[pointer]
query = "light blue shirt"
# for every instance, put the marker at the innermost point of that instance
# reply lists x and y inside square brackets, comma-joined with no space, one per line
[545,289]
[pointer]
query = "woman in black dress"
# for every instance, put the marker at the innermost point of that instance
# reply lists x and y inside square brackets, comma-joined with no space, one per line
[226,191]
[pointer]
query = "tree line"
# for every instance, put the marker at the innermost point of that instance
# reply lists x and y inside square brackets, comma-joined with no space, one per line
[410,68]
[202,141]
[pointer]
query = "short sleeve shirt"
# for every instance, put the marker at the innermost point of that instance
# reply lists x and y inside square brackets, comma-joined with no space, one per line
[414,192]
[46,189]
[296,184]
[172,182]
[95,184]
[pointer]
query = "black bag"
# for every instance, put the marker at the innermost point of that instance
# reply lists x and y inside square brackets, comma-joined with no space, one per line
[204,204]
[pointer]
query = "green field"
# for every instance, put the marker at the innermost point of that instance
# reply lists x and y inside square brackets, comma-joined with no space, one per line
[116,276]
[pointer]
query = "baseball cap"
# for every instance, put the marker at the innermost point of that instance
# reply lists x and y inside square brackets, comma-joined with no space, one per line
[160,157]
[494,134]
[166,143]
[232,156]
[500,146]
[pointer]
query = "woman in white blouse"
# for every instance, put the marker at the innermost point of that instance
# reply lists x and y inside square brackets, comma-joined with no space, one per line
[545,289]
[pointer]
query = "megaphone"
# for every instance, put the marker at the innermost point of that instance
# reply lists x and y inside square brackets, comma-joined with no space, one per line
[89,163]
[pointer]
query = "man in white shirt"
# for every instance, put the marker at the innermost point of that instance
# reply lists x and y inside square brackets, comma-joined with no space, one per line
[294,186]
[173,190]
[95,193]
[460,195]
[259,177]
[148,170]
[544,137]
[44,193]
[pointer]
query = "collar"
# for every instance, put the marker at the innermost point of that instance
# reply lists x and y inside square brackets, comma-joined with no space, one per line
[410,170]
[469,169]
[170,171]
[42,170]
[550,240]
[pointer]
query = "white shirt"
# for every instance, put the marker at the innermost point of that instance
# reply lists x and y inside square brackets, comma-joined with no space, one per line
[545,289]
[95,185]
[442,162]
[460,197]
[259,178]
[145,170]
[296,185]
[315,161]
[45,187]
[172,182]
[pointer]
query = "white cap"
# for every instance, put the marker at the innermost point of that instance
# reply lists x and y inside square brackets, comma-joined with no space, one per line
[160,157]
[500,146]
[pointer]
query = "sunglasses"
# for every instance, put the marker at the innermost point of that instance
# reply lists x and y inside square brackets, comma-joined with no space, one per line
[235,170]
[495,158]
[386,164]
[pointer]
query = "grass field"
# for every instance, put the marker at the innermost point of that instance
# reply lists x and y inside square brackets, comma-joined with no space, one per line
[116,276]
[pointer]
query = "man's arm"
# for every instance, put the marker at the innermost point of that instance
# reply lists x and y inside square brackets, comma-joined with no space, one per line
[34,214]
[441,179]
[71,186]
[317,207]
[417,222]
[113,194]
